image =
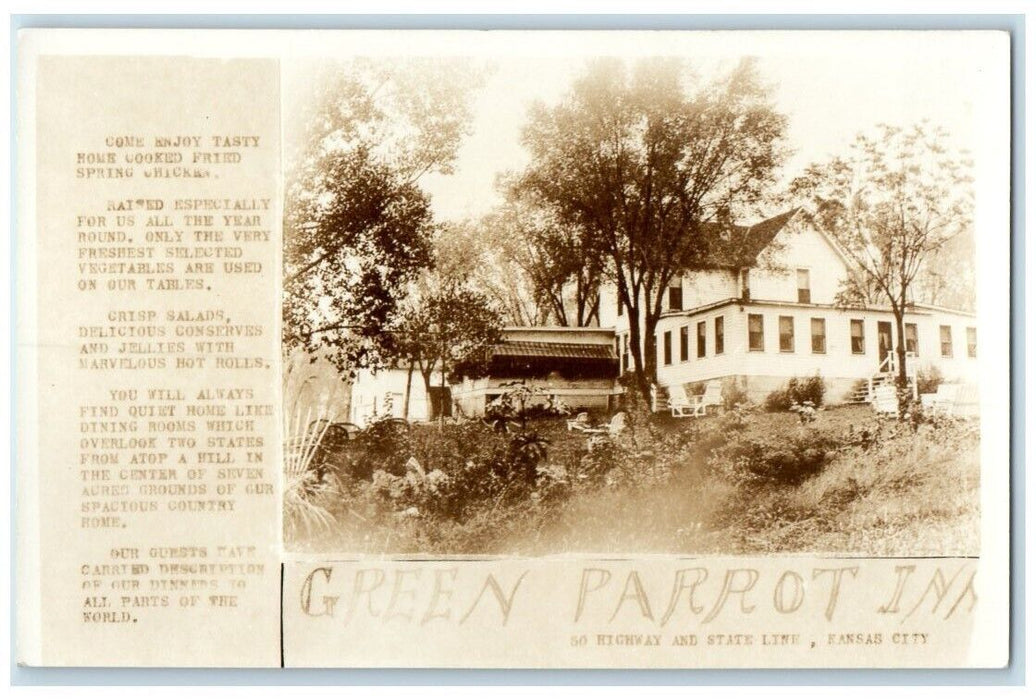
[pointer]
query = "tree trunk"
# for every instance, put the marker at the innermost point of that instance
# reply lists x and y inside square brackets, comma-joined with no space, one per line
[427,377]
[901,374]
[594,317]
[406,394]
[639,354]
[650,353]
[905,397]
[442,394]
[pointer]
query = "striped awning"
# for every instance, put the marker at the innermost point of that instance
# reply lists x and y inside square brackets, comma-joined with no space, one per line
[567,351]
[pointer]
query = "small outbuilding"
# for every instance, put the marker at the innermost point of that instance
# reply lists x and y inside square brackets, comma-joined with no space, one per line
[577,367]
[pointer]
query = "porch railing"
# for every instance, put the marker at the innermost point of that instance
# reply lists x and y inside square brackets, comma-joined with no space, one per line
[888,370]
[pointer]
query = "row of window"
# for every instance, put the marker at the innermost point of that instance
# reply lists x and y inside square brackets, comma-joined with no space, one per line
[623,343]
[699,341]
[817,333]
[786,334]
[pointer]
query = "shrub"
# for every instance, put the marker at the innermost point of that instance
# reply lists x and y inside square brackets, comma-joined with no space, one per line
[384,445]
[928,379]
[733,394]
[811,389]
[785,459]
[621,463]
[777,400]
[449,473]
[522,402]
[596,467]
[798,391]
[524,454]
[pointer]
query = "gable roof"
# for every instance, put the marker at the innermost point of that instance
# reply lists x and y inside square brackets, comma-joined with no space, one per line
[740,246]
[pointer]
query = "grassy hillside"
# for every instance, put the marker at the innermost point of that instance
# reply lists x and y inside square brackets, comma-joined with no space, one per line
[751,483]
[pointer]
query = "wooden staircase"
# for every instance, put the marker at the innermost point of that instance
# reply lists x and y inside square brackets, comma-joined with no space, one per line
[865,389]
[861,392]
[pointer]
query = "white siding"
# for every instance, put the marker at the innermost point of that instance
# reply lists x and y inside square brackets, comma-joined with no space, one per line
[609,306]
[472,395]
[800,249]
[371,390]
[708,287]
[735,344]
[837,362]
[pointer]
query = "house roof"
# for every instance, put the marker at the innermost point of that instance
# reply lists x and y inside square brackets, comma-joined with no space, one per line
[573,351]
[741,245]
[574,361]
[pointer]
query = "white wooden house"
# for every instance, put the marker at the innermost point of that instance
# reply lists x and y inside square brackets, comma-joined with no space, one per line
[383,393]
[772,315]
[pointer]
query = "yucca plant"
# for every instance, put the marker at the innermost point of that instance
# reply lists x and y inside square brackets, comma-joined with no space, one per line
[308,490]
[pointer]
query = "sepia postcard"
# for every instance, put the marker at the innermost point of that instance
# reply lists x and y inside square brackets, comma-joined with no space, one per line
[513,349]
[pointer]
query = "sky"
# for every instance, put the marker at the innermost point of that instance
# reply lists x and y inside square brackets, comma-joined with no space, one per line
[830,85]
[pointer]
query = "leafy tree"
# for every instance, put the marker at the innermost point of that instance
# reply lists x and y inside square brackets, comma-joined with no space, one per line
[505,274]
[562,270]
[948,278]
[346,260]
[444,324]
[643,161]
[896,199]
[357,224]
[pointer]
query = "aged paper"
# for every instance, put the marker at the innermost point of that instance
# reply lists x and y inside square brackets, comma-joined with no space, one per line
[156,346]
[513,349]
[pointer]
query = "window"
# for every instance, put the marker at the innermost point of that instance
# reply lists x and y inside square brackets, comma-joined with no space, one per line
[667,348]
[755,331]
[818,328]
[719,335]
[946,341]
[856,336]
[676,297]
[972,342]
[684,344]
[624,365]
[803,279]
[910,336]
[786,329]
[701,339]
[746,288]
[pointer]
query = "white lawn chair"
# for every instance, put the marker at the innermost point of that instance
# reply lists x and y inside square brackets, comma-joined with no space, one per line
[600,436]
[885,401]
[696,405]
[614,427]
[967,401]
[580,422]
[680,405]
[943,400]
